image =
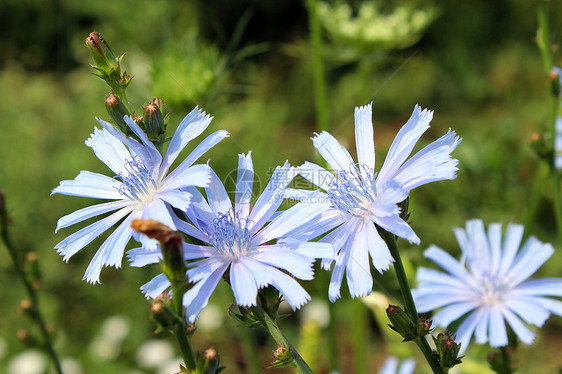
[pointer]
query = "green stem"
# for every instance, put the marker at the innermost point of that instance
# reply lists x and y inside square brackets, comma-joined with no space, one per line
[179,328]
[544,43]
[321,100]
[280,339]
[38,318]
[359,331]
[421,342]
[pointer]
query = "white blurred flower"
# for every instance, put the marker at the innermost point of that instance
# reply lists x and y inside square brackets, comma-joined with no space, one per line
[116,328]
[105,348]
[27,362]
[210,318]
[154,353]
[390,366]
[170,366]
[318,312]
[71,365]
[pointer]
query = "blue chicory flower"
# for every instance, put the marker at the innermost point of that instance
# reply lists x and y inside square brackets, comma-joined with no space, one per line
[490,285]
[361,198]
[141,187]
[238,238]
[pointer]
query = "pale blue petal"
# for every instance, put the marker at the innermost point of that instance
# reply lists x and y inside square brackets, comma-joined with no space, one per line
[192,251]
[327,220]
[452,312]
[196,175]
[189,128]
[244,185]
[447,262]
[337,275]
[364,137]
[481,332]
[335,155]
[430,297]
[528,308]
[397,226]
[338,238]
[532,256]
[191,230]
[199,211]
[88,184]
[88,212]
[311,250]
[271,197]
[243,284]
[540,287]
[140,257]
[217,196]
[75,242]
[511,244]
[495,238]
[290,221]
[110,252]
[209,142]
[554,306]
[433,163]
[358,272]
[197,297]
[498,332]
[466,329]
[317,175]
[299,195]
[380,254]
[261,272]
[436,277]
[176,198]
[109,150]
[204,268]
[522,331]
[157,210]
[404,143]
[295,263]
[155,286]
[149,154]
[478,258]
[291,290]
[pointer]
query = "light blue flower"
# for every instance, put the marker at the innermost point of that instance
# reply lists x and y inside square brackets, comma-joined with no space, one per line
[238,238]
[390,366]
[141,187]
[490,285]
[361,198]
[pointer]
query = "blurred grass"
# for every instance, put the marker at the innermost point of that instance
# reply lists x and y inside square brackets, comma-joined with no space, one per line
[476,66]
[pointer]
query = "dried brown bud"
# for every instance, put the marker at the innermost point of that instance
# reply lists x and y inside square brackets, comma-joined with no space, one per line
[153,229]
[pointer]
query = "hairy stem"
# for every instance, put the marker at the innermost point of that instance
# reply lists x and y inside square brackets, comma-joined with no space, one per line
[421,342]
[280,339]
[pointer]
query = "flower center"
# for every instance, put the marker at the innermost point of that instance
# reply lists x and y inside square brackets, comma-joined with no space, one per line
[490,290]
[231,236]
[138,183]
[352,192]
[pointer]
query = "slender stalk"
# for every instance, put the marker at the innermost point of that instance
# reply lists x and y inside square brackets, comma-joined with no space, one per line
[179,328]
[280,339]
[544,43]
[38,317]
[359,332]
[421,342]
[321,100]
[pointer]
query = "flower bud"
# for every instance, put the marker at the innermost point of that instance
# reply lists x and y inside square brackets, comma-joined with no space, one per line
[282,358]
[423,326]
[117,110]
[28,339]
[101,53]
[269,299]
[401,322]
[447,349]
[154,120]
[171,244]
[208,362]
[163,315]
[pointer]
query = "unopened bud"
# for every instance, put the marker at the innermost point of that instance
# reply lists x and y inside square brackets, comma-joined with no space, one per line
[282,356]
[102,54]
[269,298]
[153,120]
[423,326]
[32,269]
[163,315]
[208,362]
[401,322]
[28,339]
[117,110]
[26,308]
[447,349]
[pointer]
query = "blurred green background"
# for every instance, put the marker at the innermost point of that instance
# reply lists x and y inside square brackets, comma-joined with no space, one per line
[249,64]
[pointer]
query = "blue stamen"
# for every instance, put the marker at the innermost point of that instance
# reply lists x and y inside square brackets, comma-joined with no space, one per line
[138,181]
[231,235]
[351,189]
